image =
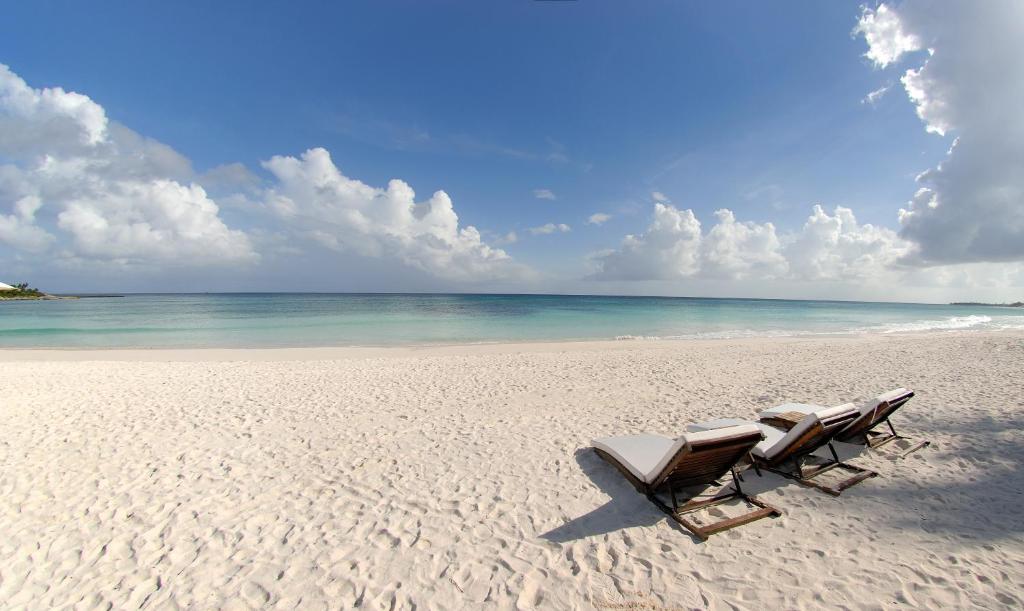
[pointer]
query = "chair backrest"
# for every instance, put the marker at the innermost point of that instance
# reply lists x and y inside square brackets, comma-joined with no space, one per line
[874,412]
[814,431]
[707,456]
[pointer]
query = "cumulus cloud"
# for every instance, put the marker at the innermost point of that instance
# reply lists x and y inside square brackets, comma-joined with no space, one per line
[19,229]
[887,39]
[157,220]
[37,121]
[544,194]
[549,228]
[738,250]
[969,208]
[659,197]
[827,247]
[344,214]
[669,249]
[80,187]
[113,193]
[831,247]
[598,218]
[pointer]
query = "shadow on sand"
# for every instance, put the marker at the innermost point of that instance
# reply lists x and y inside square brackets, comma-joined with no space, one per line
[976,488]
[973,485]
[628,508]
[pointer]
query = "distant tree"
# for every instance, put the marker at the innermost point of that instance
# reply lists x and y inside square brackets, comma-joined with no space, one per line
[21,290]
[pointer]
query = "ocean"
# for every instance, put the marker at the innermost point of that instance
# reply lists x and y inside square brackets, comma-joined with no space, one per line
[295,320]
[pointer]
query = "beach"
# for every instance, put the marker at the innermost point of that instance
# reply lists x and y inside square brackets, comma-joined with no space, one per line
[455,477]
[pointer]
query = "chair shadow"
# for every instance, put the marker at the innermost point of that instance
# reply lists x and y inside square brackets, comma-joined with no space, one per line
[845,451]
[754,484]
[628,508]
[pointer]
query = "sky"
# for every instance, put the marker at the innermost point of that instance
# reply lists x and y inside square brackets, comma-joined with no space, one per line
[806,150]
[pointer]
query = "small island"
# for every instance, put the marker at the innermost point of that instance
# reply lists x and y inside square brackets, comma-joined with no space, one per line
[22,292]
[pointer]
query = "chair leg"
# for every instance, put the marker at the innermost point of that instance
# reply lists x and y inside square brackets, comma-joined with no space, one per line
[736,480]
[806,477]
[832,448]
[914,448]
[703,532]
[880,439]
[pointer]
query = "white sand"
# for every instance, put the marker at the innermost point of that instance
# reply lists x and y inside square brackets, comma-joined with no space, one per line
[458,478]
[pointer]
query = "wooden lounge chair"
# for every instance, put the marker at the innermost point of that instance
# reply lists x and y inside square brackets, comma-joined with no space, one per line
[789,452]
[861,431]
[657,466]
[872,414]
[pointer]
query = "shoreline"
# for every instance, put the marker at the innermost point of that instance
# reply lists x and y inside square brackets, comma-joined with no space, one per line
[328,353]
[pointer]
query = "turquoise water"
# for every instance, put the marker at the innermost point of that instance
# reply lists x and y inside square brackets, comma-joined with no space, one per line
[276,320]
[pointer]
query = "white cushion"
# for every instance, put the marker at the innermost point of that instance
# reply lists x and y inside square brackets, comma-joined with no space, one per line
[719,423]
[872,404]
[771,434]
[639,453]
[647,455]
[777,440]
[803,408]
[895,393]
[869,409]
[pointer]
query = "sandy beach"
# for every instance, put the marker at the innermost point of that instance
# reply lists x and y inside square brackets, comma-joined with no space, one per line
[459,477]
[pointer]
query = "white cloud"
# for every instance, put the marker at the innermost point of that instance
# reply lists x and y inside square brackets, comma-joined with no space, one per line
[544,194]
[969,208]
[598,218]
[113,194]
[36,121]
[827,247]
[737,250]
[659,197]
[19,229]
[873,96]
[83,188]
[344,214]
[838,247]
[550,228]
[887,40]
[156,220]
[669,249]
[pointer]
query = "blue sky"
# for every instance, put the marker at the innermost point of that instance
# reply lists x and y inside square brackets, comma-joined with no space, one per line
[752,107]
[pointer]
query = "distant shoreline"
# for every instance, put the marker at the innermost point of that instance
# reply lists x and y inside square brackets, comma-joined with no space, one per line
[43,297]
[48,297]
[1015,304]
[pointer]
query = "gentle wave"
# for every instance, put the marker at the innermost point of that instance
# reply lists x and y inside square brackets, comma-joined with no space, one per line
[951,323]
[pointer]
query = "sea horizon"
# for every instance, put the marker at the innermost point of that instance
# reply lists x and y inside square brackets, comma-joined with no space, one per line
[113,294]
[321,319]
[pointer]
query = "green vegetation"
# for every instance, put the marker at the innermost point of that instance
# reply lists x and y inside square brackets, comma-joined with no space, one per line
[22,291]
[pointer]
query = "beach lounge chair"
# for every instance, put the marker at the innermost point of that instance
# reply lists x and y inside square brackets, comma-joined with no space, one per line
[872,414]
[657,466]
[791,439]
